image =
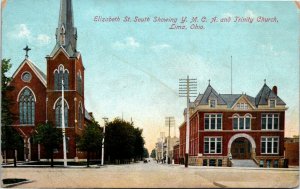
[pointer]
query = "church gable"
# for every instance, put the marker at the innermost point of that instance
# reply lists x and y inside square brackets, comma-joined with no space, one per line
[28,71]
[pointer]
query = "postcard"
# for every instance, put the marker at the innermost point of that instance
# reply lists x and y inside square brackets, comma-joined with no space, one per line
[150,94]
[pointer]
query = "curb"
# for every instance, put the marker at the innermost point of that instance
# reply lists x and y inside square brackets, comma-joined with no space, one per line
[238,168]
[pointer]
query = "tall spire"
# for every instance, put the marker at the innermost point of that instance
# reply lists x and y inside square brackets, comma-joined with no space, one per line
[66,33]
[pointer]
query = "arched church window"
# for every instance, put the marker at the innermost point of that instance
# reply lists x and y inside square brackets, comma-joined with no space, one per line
[26,107]
[56,80]
[66,80]
[60,74]
[58,114]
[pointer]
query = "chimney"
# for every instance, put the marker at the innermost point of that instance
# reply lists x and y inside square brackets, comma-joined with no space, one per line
[274,89]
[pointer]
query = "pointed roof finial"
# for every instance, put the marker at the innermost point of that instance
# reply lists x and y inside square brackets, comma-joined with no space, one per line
[26,49]
[265,81]
[209,82]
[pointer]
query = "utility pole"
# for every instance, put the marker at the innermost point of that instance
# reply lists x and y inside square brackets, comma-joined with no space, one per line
[102,154]
[156,148]
[63,120]
[169,122]
[162,136]
[187,88]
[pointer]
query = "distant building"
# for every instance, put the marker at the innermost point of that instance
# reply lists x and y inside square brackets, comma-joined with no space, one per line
[173,141]
[291,146]
[176,154]
[161,147]
[235,125]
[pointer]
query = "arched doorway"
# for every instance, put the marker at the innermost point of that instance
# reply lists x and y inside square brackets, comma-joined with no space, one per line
[241,143]
[241,148]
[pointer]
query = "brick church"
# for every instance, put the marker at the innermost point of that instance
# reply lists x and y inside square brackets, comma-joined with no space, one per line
[38,96]
[229,127]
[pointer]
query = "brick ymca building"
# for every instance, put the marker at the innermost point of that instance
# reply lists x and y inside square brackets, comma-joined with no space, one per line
[235,126]
[37,96]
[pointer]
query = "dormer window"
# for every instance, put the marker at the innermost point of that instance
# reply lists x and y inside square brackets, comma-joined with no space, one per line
[212,103]
[272,103]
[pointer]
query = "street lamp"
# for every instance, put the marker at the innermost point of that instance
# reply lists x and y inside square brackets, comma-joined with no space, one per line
[63,119]
[102,154]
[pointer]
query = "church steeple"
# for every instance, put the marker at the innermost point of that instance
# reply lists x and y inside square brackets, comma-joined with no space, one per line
[66,33]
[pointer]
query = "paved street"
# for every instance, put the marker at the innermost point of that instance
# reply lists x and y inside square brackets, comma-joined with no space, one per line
[153,175]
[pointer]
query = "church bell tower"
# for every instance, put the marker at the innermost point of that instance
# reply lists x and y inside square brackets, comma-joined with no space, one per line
[65,64]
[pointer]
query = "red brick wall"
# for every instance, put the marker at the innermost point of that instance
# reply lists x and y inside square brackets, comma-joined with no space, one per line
[292,153]
[71,96]
[182,139]
[197,132]
[39,91]
[176,154]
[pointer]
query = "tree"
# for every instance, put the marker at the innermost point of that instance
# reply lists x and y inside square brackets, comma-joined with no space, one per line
[50,137]
[123,141]
[138,144]
[146,153]
[10,139]
[153,153]
[91,139]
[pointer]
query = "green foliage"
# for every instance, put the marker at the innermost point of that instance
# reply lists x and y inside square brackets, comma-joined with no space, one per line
[6,115]
[123,141]
[153,153]
[146,153]
[49,136]
[91,138]
[10,139]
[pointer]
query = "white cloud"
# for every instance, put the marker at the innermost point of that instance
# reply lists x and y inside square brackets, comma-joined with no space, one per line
[158,47]
[23,31]
[250,13]
[43,39]
[129,42]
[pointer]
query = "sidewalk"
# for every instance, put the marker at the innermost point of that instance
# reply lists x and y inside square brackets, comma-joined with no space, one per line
[232,168]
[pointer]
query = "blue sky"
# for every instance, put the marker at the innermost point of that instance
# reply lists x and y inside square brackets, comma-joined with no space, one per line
[133,68]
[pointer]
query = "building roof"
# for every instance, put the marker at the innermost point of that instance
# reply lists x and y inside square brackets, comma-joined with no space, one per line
[87,115]
[40,72]
[230,99]
[210,93]
[265,94]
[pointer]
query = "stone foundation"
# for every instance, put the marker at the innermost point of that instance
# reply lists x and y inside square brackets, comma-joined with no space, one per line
[216,161]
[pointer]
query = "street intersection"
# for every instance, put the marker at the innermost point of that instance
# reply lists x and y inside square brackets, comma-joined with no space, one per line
[153,175]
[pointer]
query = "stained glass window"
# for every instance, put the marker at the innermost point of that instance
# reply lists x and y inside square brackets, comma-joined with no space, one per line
[58,114]
[26,107]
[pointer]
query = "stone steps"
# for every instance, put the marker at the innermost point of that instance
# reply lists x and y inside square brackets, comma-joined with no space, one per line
[243,163]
